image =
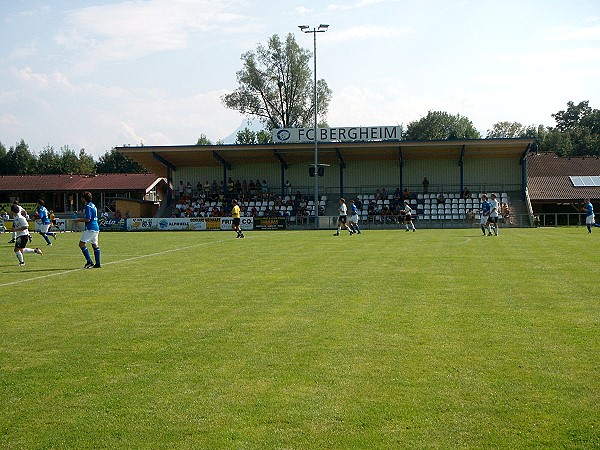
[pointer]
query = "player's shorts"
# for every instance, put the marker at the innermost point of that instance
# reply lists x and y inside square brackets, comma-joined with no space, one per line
[21,241]
[236,221]
[484,219]
[590,220]
[342,219]
[44,228]
[90,236]
[354,218]
[407,217]
[493,219]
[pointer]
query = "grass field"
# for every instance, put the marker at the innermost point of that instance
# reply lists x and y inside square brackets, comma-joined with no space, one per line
[435,339]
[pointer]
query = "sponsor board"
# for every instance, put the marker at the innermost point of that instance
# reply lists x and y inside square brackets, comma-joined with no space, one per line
[246,223]
[270,223]
[111,224]
[181,224]
[338,134]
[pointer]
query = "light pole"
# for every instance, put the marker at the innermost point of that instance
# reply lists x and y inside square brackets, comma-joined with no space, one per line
[321,29]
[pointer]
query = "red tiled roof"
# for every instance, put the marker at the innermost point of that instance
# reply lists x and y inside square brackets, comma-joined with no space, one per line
[100,182]
[548,177]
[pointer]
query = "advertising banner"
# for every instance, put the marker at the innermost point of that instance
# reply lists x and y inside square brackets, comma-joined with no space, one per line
[111,224]
[270,223]
[246,223]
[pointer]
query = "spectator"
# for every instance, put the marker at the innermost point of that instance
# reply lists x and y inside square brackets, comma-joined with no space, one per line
[441,199]
[406,194]
[425,185]
[288,187]
[466,193]
[181,188]
[264,186]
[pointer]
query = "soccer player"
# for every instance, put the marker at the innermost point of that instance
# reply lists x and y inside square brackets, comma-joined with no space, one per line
[408,217]
[493,217]
[23,213]
[21,231]
[235,214]
[590,219]
[90,234]
[343,214]
[354,218]
[45,222]
[485,213]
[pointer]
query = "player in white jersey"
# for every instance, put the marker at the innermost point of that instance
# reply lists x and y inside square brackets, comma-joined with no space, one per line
[23,213]
[342,218]
[21,230]
[493,217]
[408,216]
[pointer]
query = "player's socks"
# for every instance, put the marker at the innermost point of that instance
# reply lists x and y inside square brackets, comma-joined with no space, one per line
[86,253]
[20,257]
[47,239]
[97,256]
[589,227]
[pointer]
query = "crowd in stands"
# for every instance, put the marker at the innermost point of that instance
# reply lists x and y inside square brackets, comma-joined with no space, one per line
[254,198]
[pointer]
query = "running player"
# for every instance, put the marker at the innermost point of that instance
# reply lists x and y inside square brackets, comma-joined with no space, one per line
[21,231]
[45,222]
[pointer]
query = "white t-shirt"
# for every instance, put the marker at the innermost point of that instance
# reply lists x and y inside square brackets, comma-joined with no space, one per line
[494,209]
[18,222]
[343,209]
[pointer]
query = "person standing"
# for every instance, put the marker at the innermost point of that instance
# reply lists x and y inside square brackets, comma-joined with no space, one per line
[45,222]
[425,185]
[23,213]
[590,219]
[21,230]
[91,232]
[408,217]
[235,214]
[493,218]
[343,214]
[485,213]
[354,218]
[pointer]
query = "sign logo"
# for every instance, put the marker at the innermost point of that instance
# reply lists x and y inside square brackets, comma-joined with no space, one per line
[283,135]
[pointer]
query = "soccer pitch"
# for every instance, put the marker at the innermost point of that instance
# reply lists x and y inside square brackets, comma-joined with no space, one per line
[299,339]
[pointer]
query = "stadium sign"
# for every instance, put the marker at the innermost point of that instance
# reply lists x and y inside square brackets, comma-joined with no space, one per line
[339,134]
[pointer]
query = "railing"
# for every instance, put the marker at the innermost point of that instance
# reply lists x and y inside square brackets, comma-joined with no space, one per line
[558,219]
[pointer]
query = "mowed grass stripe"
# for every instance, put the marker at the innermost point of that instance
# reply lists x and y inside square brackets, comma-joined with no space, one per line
[433,339]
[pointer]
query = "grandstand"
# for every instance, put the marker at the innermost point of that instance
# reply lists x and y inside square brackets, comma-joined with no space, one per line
[356,170]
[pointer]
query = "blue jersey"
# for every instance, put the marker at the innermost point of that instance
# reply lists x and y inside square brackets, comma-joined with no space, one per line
[589,209]
[43,213]
[91,213]
[486,208]
[354,209]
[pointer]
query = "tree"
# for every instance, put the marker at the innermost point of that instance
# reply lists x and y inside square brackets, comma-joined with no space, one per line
[276,85]
[577,131]
[48,161]
[503,130]
[3,163]
[19,160]
[86,162]
[263,137]
[203,140]
[438,125]
[114,162]
[245,136]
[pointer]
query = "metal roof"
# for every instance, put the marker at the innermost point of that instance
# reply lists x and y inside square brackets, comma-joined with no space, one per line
[156,158]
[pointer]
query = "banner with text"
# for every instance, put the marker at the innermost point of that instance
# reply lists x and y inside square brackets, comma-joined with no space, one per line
[340,134]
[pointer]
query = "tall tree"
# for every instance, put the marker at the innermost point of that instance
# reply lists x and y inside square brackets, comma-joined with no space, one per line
[245,136]
[86,162]
[439,125]
[3,163]
[114,162]
[48,161]
[19,160]
[276,85]
[577,131]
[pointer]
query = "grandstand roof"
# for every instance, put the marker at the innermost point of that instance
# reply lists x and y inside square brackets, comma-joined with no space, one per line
[548,177]
[100,182]
[156,158]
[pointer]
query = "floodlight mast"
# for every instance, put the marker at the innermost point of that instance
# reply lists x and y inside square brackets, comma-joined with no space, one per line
[321,29]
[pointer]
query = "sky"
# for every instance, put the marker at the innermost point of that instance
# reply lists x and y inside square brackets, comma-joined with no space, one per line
[95,74]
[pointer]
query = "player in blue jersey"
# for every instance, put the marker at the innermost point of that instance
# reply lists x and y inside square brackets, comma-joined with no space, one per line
[486,208]
[590,219]
[44,222]
[90,234]
[354,218]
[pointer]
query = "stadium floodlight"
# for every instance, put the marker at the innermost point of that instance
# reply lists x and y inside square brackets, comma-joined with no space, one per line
[321,29]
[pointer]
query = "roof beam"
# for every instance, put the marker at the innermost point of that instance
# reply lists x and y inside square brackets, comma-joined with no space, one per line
[164,162]
[340,158]
[221,160]
[280,159]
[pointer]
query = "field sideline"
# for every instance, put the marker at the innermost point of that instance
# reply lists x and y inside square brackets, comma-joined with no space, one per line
[299,339]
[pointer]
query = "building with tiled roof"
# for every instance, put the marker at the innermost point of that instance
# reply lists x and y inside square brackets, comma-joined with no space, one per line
[58,190]
[559,184]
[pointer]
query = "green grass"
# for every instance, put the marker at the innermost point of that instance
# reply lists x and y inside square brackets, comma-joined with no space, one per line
[434,339]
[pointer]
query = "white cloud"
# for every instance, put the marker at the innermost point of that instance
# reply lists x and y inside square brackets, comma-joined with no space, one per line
[573,34]
[358,4]
[44,80]
[129,30]
[365,32]
[10,122]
